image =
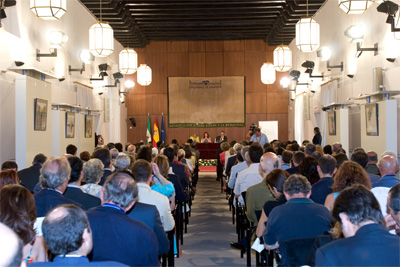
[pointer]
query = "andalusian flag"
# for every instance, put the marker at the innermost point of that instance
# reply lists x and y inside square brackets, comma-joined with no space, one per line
[156,135]
[162,129]
[148,133]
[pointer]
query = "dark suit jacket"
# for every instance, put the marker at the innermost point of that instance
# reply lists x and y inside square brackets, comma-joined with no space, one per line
[105,175]
[219,140]
[86,200]
[372,245]
[148,214]
[293,170]
[116,237]
[373,178]
[180,171]
[75,261]
[29,177]
[180,194]
[321,189]
[47,199]
[231,162]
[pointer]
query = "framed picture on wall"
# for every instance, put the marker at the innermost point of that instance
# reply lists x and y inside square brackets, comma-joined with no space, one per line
[40,120]
[70,125]
[332,122]
[88,126]
[372,119]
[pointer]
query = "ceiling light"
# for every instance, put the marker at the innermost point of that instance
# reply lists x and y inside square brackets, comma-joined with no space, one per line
[101,38]
[325,53]
[128,61]
[49,9]
[355,6]
[282,58]
[57,38]
[307,34]
[355,32]
[285,81]
[268,73]
[86,56]
[144,75]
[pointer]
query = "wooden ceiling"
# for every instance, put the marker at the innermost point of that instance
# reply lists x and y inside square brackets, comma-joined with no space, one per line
[136,23]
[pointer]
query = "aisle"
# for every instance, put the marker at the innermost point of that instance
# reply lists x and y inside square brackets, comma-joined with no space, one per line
[210,229]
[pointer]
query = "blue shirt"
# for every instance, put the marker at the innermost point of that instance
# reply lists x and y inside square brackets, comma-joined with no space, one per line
[386,181]
[321,190]
[262,139]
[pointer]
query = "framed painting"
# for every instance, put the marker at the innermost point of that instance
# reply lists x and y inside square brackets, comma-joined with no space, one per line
[70,125]
[88,126]
[40,119]
[332,122]
[372,119]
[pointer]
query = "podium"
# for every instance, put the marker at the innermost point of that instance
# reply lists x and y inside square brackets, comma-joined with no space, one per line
[208,150]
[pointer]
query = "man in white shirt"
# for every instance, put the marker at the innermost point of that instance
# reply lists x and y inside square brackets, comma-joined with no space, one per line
[251,175]
[142,172]
[242,165]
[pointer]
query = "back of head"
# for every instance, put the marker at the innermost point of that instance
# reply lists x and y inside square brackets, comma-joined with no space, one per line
[255,153]
[169,153]
[8,177]
[357,149]
[71,149]
[360,157]
[335,147]
[131,149]
[225,146]
[340,158]
[316,129]
[103,154]
[18,211]
[39,158]
[84,156]
[287,156]
[181,154]
[310,148]
[359,204]
[54,173]
[316,155]
[276,178]
[298,157]
[114,153]
[154,153]
[144,153]
[295,147]
[120,189]
[296,184]
[10,247]
[372,156]
[163,165]
[110,146]
[122,162]
[76,165]
[238,147]
[119,147]
[63,229]
[9,165]
[328,149]
[348,174]
[141,171]
[394,202]
[268,162]
[308,168]
[388,165]
[188,152]
[327,164]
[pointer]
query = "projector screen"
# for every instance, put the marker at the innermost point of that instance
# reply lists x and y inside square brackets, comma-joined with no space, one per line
[206,101]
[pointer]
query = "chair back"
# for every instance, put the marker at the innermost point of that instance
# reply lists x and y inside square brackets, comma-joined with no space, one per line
[297,250]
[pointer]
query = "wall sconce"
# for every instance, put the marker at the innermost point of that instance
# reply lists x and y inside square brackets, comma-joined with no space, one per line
[356,33]
[309,65]
[129,84]
[4,4]
[295,74]
[325,53]
[285,82]
[86,57]
[57,39]
[116,76]
[103,72]
[389,8]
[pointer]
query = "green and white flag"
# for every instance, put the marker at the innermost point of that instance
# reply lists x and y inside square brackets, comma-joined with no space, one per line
[148,133]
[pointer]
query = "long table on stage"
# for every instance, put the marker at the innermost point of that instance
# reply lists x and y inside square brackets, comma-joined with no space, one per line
[208,150]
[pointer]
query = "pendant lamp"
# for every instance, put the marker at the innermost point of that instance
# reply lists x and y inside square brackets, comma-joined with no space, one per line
[307,34]
[49,9]
[282,58]
[101,38]
[268,73]
[355,6]
[128,61]
[144,75]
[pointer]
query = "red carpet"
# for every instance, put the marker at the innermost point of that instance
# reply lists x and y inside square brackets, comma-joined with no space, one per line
[208,168]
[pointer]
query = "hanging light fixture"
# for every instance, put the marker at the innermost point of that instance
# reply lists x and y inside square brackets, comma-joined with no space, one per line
[355,6]
[307,34]
[101,38]
[282,58]
[268,73]
[49,9]
[144,75]
[128,61]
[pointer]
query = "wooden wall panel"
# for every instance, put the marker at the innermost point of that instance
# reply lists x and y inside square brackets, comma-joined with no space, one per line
[156,103]
[156,47]
[256,102]
[199,46]
[276,86]
[197,64]
[254,118]
[236,45]
[214,46]
[176,47]
[252,70]
[214,64]
[139,132]
[178,64]
[277,102]
[158,63]
[254,45]
[136,104]
[233,63]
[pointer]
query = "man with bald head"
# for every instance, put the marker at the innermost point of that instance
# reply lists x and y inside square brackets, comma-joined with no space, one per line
[335,147]
[388,167]
[258,194]
[10,247]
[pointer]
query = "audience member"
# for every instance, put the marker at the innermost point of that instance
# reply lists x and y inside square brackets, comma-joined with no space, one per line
[129,242]
[240,166]
[348,174]
[309,149]
[233,159]
[335,147]
[73,191]
[9,165]
[296,159]
[316,155]
[84,156]
[340,158]
[328,149]
[131,149]
[300,217]
[286,158]
[362,158]
[92,173]
[122,162]
[367,242]
[372,161]
[119,147]
[319,149]
[259,137]
[103,154]
[145,154]
[8,177]
[10,248]
[142,171]
[17,211]
[393,208]
[326,169]
[70,151]
[110,146]
[177,168]
[308,168]
[29,177]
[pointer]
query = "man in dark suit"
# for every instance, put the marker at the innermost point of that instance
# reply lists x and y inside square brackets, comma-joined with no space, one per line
[104,155]
[326,169]
[177,168]
[29,177]
[297,157]
[231,161]
[69,247]
[116,237]
[367,242]
[221,138]
[362,158]
[54,180]
[73,191]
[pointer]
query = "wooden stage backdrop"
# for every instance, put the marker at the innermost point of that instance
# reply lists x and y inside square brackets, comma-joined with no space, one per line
[207,59]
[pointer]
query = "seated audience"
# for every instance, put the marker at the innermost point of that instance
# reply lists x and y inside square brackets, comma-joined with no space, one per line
[340,158]
[71,247]
[142,171]
[84,156]
[232,159]
[328,149]
[393,209]
[122,162]
[362,158]
[308,168]
[17,211]
[240,166]
[372,161]
[119,147]
[335,147]
[161,185]
[92,173]
[70,151]
[10,248]
[103,154]
[309,149]
[177,168]
[299,217]
[73,191]
[367,242]
[129,242]
[348,174]
[316,155]
[298,156]
[326,169]
[8,177]
[29,177]
[9,165]
[286,158]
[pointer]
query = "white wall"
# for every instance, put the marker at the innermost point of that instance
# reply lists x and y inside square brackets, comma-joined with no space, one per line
[22,33]
[333,22]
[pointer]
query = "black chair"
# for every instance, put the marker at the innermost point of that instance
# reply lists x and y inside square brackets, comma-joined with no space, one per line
[297,250]
[169,258]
